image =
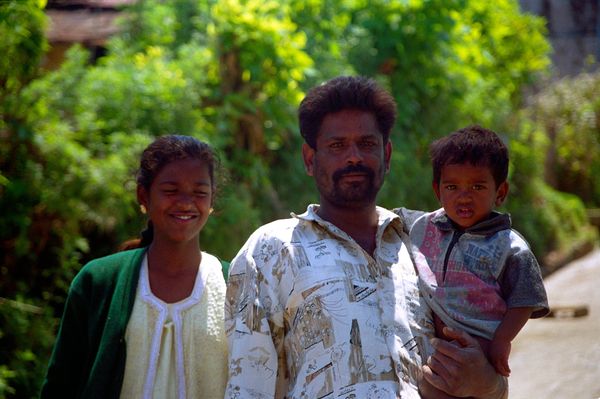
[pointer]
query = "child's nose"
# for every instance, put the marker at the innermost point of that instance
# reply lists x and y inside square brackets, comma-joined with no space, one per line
[464,196]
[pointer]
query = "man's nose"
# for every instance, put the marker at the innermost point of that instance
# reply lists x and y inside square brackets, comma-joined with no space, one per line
[354,155]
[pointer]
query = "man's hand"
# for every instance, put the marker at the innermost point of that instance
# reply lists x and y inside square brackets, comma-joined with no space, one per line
[461,369]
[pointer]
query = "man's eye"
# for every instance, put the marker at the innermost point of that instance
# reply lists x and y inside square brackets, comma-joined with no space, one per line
[368,144]
[335,145]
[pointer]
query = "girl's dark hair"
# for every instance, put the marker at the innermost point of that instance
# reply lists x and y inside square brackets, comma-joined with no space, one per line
[157,155]
[474,145]
[345,93]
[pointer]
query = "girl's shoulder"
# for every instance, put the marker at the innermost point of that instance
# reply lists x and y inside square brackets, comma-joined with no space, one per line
[106,270]
[216,264]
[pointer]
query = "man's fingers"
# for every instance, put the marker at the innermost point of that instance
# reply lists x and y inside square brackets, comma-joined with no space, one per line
[449,349]
[461,337]
[434,379]
[443,371]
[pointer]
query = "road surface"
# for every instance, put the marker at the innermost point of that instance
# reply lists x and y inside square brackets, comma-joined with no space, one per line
[559,357]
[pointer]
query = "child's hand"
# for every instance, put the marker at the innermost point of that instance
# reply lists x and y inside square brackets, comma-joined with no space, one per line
[499,351]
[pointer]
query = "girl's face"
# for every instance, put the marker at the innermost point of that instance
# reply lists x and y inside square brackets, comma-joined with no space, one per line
[179,200]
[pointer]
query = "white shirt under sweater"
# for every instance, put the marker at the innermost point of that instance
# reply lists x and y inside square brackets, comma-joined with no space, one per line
[178,350]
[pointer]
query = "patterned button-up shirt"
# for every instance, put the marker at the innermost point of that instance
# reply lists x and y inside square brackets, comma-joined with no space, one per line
[309,314]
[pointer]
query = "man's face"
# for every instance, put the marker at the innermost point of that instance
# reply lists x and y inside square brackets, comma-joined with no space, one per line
[350,161]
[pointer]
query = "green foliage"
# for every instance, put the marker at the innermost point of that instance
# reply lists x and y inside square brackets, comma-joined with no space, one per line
[450,63]
[25,346]
[550,220]
[24,340]
[22,25]
[330,35]
[569,111]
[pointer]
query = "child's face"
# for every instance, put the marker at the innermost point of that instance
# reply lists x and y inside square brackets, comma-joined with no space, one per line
[179,200]
[468,193]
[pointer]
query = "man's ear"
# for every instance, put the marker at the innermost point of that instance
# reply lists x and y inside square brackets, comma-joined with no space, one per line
[308,155]
[501,193]
[388,155]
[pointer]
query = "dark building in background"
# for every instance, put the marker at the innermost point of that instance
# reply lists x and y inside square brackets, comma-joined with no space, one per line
[87,22]
[573,30]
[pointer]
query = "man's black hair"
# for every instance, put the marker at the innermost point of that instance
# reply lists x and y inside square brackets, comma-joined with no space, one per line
[345,93]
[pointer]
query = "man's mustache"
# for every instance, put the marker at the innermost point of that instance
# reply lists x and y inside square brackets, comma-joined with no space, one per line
[338,174]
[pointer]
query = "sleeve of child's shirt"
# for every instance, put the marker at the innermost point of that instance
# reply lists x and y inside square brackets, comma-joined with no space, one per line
[521,282]
[409,216]
[254,323]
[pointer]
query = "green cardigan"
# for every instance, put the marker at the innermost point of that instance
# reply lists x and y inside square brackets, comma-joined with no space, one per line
[88,360]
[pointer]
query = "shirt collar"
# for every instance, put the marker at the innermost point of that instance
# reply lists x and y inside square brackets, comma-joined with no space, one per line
[495,222]
[385,218]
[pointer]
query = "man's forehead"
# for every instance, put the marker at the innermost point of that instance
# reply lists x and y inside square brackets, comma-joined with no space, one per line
[349,122]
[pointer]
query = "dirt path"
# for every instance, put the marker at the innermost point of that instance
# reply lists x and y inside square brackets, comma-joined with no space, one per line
[559,358]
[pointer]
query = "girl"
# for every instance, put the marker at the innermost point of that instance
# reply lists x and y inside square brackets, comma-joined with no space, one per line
[148,322]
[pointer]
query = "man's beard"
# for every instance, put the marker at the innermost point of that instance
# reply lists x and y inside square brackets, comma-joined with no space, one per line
[357,194]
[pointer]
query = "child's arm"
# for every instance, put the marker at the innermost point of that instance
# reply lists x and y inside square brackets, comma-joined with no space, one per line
[513,321]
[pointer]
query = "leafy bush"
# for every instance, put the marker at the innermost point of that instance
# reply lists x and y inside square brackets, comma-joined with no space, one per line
[552,221]
[26,339]
[569,112]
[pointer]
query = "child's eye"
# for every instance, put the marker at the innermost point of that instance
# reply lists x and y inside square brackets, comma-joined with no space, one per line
[169,191]
[335,145]
[200,193]
[450,187]
[478,187]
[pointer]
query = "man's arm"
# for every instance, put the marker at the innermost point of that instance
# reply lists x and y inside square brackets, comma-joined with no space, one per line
[461,369]
[254,332]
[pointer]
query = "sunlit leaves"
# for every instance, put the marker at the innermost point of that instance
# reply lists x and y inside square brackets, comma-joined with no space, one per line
[569,111]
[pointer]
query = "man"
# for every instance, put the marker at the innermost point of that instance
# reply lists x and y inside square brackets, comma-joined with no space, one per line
[326,304]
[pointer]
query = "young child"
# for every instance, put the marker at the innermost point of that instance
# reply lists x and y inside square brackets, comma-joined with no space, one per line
[476,272]
[148,322]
